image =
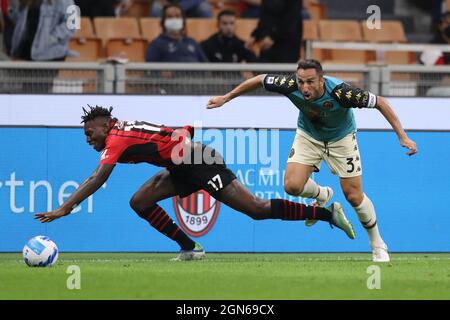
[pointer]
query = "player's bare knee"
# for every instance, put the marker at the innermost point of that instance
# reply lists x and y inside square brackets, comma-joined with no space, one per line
[134,203]
[293,188]
[354,198]
[138,205]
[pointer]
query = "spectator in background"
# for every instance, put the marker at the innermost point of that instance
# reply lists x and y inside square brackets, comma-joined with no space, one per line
[172,45]
[441,36]
[40,29]
[224,46]
[103,8]
[191,8]
[439,87]
[6,30]
[279,31]
[3,55]
[98,8]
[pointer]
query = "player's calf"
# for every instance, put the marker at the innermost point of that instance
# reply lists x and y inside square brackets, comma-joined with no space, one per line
[354,198]
[257,209]
[160,220]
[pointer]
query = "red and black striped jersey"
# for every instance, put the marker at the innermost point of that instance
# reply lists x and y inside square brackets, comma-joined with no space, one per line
[140,141]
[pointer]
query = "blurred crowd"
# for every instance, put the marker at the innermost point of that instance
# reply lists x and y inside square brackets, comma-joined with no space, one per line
[278,35]
[37,30]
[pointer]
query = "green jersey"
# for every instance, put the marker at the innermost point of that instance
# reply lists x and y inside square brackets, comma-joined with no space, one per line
[328,118]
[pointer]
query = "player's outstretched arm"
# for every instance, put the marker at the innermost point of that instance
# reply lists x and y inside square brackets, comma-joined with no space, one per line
[247,85]
[88,187]
[392,118]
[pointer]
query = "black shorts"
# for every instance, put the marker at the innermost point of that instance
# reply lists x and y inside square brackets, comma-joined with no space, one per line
[189,178]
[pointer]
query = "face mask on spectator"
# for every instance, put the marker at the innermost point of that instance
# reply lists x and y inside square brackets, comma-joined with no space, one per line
[173,24]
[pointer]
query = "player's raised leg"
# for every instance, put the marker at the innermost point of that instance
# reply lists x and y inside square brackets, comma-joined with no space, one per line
[297,182]
[238,197]
[352,188]
[144,202]
[306,155]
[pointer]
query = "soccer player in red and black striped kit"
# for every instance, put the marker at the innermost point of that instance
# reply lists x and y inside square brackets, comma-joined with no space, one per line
[138,141]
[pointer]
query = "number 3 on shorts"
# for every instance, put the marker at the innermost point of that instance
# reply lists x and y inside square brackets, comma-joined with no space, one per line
[351,164]
[216,182]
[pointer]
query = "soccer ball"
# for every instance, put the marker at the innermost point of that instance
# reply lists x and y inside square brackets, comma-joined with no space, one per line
[40,251]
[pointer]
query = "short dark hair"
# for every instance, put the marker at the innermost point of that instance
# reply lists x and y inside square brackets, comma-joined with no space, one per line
[225,12]
[95,112]
[310,64]
[164,10]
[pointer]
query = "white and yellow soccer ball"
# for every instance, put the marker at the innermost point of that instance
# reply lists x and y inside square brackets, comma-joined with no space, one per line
[40,251]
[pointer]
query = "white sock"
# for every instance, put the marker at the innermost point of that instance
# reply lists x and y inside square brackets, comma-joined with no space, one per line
[368,218]
[313,191]
[310,190]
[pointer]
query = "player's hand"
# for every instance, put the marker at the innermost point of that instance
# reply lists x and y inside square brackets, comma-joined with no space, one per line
[411,145]
[216,102]
[49,216]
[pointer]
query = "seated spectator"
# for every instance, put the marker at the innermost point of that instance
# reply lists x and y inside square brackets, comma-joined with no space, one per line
[40,31]
[224,46]
[442,36]
[191,8]
[172,45]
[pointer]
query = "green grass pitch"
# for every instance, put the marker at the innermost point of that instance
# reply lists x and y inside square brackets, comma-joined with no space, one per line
[228,276]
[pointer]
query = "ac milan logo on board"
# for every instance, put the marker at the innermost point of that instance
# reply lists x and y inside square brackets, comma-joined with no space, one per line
[196,213]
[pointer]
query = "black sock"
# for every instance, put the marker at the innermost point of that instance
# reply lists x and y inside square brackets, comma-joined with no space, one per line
[288,210]
[161,221]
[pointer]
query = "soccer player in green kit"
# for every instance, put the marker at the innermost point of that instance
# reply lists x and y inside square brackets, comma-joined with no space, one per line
[326,131]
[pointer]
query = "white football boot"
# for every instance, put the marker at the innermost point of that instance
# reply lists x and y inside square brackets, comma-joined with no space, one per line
[380,253]
[197,253]
[319,203]
[339,219]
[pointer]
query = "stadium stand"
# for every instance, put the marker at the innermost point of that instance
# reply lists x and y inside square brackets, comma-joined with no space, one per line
[311,33]
[89,47]
[132,49]
[150,28]
[138,9]
[219,5]
[316,9]
[128,37]
[109,28]
[245,27]
[390,32]
[200,28]
[86,28]
[121,37]
[343,30]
